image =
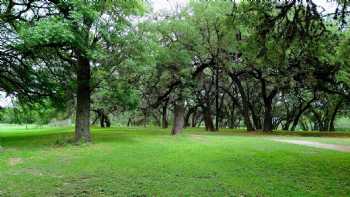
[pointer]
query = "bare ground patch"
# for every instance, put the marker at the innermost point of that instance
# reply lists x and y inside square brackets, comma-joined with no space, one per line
[14,161]
[336,147]
[199,138]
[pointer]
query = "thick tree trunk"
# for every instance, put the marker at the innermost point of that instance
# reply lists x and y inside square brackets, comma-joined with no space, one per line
[208,120]
[268,126]
[267,98]
[179,113]
[82,124]
[165,116]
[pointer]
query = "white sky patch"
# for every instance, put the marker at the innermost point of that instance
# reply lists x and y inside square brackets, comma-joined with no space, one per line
[329,6]
[167,5]
[4,101]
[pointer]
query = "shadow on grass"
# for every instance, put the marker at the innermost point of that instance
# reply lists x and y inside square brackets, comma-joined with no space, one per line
[61,137]
[58,137]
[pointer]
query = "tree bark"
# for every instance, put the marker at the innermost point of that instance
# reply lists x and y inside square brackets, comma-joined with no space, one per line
[245,104]
[208,120]
[191,110]
[82,124]
[165,116]
[255,117]
[107,121]
[194,119]
[334,114]
[268,116]
[267,98]
[102,119]
[300,112]
[179,113]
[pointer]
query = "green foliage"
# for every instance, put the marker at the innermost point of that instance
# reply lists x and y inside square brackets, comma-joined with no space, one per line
[38,113]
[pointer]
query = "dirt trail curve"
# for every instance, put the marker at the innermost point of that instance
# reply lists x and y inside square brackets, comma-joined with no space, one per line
[341,148]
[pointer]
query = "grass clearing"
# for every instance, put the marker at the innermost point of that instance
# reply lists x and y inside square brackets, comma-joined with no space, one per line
[150,162]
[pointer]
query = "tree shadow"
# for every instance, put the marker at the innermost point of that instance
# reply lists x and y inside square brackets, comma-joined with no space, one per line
[38,140]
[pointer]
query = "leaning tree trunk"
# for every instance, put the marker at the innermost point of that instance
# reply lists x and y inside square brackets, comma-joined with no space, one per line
[334,114]
[82,124]
[245,104]
[179,117]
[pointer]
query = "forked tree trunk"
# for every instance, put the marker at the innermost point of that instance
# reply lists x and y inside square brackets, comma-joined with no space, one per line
[82,124]
[179,117]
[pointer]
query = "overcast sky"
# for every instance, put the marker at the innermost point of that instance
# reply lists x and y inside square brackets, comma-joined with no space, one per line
[168,5]
[171,4]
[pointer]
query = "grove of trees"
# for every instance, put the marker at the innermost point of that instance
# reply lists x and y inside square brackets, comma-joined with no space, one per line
[262,65]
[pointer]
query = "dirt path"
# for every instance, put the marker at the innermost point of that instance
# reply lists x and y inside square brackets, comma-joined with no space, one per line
[341,148]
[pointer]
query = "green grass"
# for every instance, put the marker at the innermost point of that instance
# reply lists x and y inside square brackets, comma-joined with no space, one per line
[149,162]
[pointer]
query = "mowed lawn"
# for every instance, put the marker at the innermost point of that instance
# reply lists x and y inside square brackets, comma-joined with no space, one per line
[150,162]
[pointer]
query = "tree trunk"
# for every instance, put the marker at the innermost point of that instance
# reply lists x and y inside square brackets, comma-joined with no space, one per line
[287,124]
[334,114]
[102,119]
[268,116]
[208,120]
[179,113]
[165,116]
[107,121]
[194,119]
[188,115]
[245,105]
[256,118]
[217,94]
[297,117]
[267,98]
[82,124]
[129,122]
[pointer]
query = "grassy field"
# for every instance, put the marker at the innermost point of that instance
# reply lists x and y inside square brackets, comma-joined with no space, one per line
[149,162]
